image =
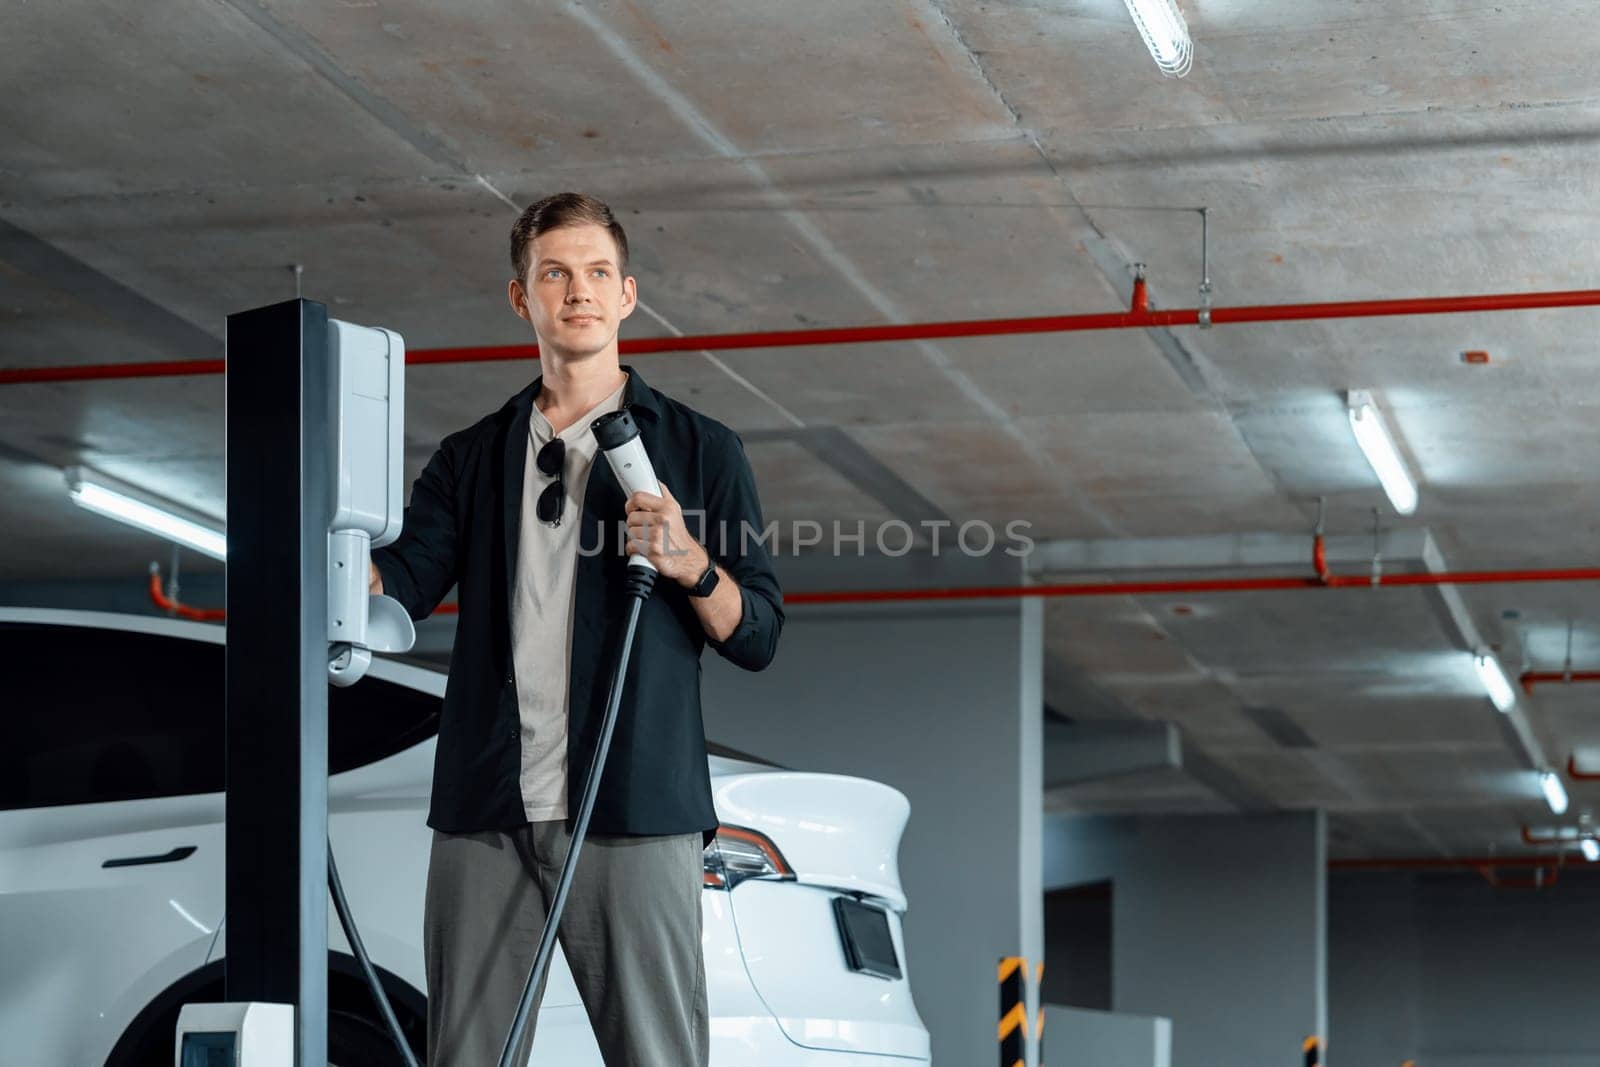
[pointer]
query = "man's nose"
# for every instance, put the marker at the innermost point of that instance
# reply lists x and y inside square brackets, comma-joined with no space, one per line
[578,291]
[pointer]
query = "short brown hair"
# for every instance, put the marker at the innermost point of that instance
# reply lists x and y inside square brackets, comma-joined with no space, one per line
[563,209]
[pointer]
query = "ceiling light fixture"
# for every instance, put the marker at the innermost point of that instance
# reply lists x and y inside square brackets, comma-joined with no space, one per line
[1377,444]
[1555,794]
[1591,849]
[1165,34]
[118,500]
[1495,681]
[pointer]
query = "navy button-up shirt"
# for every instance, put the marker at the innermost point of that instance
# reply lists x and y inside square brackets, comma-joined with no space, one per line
[462,528]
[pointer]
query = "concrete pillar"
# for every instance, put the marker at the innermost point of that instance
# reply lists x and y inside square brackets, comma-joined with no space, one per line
[944,702]
[1373,968]
[1219,923]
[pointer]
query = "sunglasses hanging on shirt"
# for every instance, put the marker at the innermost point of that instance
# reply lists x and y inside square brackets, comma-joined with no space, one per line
[554,498]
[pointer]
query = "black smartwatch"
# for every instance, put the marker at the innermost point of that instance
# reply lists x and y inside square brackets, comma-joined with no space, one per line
[708,581]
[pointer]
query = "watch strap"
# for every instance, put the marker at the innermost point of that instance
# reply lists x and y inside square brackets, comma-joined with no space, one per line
[707,582]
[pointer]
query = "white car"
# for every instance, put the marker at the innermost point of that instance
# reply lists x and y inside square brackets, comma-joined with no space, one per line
[111,867]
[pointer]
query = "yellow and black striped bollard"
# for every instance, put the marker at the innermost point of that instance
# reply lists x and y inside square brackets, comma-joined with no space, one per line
[1013,1010]
[1313,1050]
[1038,983]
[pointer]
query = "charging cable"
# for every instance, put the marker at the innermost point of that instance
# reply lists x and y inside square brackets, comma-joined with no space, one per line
[618,438]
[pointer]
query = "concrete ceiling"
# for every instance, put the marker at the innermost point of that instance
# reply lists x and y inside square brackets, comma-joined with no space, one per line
[778,164]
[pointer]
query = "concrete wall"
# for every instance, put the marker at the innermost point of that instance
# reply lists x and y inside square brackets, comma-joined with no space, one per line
[1076,1037]
[1218,923]
[943,703]
[1447,971]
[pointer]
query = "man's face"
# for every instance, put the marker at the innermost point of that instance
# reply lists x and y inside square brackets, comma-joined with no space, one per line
[575,295]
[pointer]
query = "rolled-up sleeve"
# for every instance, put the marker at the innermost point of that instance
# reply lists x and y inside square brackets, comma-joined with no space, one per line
[421,565]
[736,539]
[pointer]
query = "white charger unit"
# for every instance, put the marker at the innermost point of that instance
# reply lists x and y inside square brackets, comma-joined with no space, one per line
[368,417]
[235,1035]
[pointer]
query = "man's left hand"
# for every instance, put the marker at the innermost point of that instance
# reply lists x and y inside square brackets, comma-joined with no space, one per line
[657,531]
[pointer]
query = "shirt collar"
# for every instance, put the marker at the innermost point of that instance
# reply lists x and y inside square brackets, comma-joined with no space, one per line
[637,396]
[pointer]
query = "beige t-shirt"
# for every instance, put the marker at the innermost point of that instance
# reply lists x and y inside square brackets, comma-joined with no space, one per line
[541,611]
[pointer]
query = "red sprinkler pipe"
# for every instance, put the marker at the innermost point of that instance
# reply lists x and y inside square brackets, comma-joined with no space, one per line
[1530,679]
[1444,863]
[1200,585]
[183,611]
[1577,775]
[102,371]
[1136,318]
[1531,838]
[1536,880]
[1154,588]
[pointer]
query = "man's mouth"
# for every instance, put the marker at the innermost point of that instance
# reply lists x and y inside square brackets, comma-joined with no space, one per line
[581,320]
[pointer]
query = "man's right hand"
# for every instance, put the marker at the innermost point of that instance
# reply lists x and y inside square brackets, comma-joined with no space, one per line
[374,580]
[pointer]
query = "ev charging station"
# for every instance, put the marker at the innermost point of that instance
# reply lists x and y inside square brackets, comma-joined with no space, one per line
[315,442]
[315,457]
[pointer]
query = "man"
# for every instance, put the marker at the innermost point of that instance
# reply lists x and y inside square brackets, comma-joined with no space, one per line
[519,513]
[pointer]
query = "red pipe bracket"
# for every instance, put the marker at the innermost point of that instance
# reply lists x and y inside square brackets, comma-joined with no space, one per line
[1319,559]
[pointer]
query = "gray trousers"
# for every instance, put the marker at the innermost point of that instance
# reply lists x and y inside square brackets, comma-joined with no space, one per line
[630,932]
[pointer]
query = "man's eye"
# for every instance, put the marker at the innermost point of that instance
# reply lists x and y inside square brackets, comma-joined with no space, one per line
[552,274]
[602,272]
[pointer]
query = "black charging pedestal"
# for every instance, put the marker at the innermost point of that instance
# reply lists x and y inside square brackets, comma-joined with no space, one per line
[279,381]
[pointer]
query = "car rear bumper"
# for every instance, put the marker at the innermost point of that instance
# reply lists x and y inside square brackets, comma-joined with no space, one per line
[795,959]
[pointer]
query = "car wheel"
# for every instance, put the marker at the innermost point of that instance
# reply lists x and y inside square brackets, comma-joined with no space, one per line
[356,1034]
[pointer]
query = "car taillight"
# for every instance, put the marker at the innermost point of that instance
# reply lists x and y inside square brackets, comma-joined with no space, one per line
[738,853]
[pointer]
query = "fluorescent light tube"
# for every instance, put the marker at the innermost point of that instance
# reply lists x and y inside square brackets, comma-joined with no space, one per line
[1590,848]
[115,500]
[1165,34]
[1377,444]
[1494,681]
[1555,794]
